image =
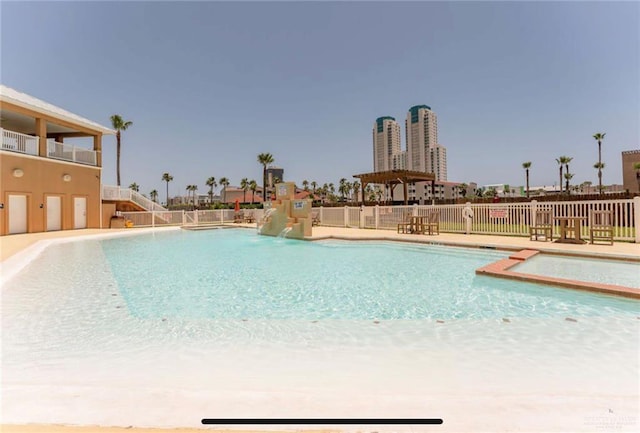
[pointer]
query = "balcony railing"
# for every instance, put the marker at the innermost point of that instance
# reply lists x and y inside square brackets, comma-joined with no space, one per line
[68,152]
[117,193]
[22,143]
[28,144]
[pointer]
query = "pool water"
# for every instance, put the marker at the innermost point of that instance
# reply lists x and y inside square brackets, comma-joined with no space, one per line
[164,329]
[620,273]
[236,274]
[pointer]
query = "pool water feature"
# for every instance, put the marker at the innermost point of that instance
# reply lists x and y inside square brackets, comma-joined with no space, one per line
[105,328]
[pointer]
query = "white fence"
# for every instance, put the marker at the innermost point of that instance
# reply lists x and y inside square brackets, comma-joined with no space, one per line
[72,153]
[510,219]
[186,218]
[22,143]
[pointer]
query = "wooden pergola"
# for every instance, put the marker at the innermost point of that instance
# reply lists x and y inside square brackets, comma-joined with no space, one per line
[392,178]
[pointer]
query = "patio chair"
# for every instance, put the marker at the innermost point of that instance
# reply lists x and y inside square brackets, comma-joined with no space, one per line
[405,225]
[315,219]
[542,226]
[601,226]
[249,218]
[238,217]
[433,223]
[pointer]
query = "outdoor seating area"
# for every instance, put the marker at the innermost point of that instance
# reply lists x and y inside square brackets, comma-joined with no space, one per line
[601,226]
[423,224]
[542,226]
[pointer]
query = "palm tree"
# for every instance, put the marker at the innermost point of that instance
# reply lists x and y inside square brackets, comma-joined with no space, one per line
[265,159]
[166,177]
[194,188]
[599,166]
[526,166]
[188,193]
[305,185]
[134,186]
[244,184]
[154,195]
[224,182]
[314,185]
[567,160]
[211,183]
[562,161]
[253,185]
[568,177]
[119,125]
[342,188]
[356,188]
[599,136]
[636,167]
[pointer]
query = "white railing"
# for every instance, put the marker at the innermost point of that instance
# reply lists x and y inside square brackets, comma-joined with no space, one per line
[155,219]
[17,142]
[117,193]
[186,218]
[69,152]
[511,219]
[508,219]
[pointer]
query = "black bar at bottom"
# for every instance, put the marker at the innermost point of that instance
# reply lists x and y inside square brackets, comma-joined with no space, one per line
[332,421]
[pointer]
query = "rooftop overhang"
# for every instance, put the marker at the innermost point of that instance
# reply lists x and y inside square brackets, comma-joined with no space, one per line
[394,177]
[18,110]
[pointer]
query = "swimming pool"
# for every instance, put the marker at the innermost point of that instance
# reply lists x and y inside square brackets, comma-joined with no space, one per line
[103,327]
[234,274]
[621,273]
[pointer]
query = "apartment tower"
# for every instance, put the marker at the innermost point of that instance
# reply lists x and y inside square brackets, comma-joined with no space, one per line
[422,137]
[386,143]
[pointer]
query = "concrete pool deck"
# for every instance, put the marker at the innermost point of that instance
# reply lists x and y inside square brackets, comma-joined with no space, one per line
[10,246]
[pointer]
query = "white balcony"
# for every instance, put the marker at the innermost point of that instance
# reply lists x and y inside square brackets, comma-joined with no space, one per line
[21,143]
[68,152]
[28,145]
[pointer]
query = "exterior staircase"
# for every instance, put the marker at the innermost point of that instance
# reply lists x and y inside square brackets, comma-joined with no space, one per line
[127,199]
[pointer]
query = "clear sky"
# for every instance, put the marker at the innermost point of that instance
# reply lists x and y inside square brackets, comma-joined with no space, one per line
[210,85]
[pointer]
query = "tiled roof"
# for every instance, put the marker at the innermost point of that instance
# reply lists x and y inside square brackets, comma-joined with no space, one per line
[7,94]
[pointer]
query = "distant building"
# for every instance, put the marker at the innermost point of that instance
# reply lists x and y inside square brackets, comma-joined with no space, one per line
[232,193]
[386,143]
[630,177]
[438,162]
[399,161]
[274,175]
[421,128]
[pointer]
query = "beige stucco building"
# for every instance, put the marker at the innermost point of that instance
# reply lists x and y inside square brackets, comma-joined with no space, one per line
[46,183]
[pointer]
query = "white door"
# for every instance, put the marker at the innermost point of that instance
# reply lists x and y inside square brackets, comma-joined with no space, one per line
[17,214]
[79,212]
[54,213]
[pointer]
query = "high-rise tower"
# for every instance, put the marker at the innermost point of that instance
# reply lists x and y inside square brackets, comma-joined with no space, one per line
[422,136]
[386,143]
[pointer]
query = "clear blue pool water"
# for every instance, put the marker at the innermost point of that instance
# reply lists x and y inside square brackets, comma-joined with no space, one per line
[625,274]
[236,274]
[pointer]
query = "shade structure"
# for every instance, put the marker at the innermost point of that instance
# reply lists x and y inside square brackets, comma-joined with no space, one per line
[395,177]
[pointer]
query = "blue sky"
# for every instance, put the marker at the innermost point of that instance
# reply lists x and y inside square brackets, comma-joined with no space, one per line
[210,85]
